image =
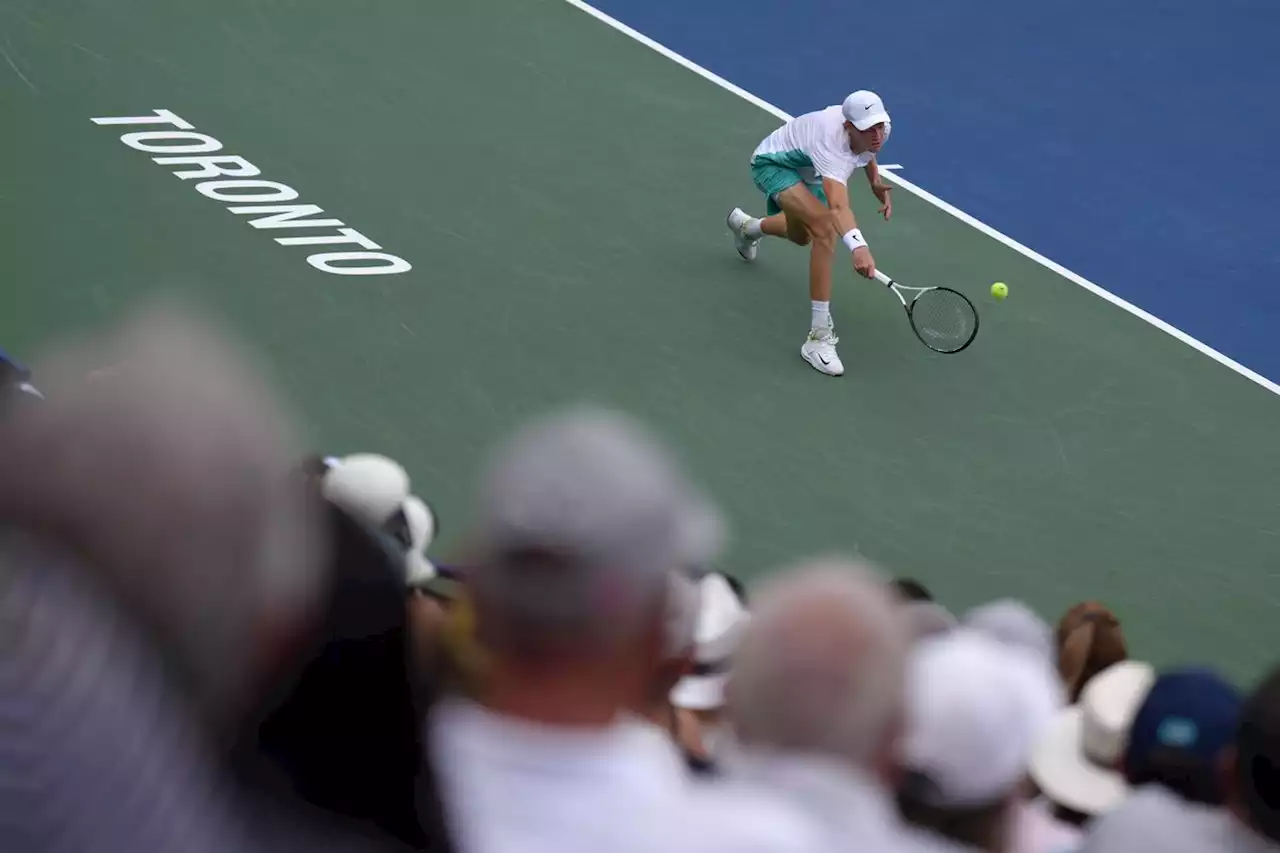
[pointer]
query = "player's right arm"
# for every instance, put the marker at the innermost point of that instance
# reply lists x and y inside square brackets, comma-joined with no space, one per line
[846,226]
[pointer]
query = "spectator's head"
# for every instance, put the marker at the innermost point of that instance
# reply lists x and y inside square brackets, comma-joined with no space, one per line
[1014,624]
[1076,761]
[976,707]
[822,666]
[582,519]
[926,619]
[170,480]
[684,601]
[369,487]
[1254,782]
[1089,641]
[374,490]
[416,530]
[909,589]
[721,622]
[1180,734]
[924,616]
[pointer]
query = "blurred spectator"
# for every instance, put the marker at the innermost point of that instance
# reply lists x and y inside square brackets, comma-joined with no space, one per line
[332,753]
[97,749]
[909,589]
[924,616]
[676,728]
[1089,640]
[1158,819]
[1180,734]
[977,707]
[190,434]
[279,618]
[817,701]
[581,520]
[1015,624]
[721,620]
[1255,777]
[927,619]
[370,487]
[375,490]
[153,557]
[1076,761]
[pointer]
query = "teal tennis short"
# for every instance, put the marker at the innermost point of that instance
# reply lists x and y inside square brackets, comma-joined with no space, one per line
[771,178]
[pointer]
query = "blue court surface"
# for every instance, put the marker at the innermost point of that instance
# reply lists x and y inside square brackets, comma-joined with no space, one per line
[1132,143]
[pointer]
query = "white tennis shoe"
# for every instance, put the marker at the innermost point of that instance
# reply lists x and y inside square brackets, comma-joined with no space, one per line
[820,351]
[746,246]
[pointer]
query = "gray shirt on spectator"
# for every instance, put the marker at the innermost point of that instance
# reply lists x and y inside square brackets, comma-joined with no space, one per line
[1154,820]
[96,753]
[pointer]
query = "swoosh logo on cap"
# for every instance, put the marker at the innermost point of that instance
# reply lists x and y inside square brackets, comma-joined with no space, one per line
[868,106]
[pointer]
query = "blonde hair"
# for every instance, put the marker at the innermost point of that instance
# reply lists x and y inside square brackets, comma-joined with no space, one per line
[1089,640]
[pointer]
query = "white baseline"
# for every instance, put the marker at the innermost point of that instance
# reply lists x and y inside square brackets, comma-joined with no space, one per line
[914,189]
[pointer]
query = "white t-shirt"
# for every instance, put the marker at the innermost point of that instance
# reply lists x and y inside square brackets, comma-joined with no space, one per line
[815,145]
[513,786]
[1036,830]
[845,810]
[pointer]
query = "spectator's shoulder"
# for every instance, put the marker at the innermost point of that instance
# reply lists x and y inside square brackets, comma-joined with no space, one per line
[1156,819]
[733,817]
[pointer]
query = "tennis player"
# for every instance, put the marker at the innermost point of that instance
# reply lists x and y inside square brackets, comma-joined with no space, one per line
[803,169]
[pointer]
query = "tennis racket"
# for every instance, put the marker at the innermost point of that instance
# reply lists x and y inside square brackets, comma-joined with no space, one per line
[943,319]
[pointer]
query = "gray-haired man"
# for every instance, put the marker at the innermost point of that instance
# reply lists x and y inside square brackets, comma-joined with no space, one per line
[581,521]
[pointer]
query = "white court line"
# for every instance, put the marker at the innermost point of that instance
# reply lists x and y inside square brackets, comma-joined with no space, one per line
[942,205]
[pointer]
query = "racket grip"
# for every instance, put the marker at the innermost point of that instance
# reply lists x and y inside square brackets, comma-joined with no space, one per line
[883,279]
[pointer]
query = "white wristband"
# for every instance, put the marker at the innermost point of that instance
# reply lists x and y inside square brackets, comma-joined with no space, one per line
[853,239]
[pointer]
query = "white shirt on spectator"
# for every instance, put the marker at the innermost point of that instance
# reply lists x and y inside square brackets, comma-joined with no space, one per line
[846,810]
[1036,830]
[514,786]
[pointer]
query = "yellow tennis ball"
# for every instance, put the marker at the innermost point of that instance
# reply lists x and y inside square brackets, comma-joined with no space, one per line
[999,290]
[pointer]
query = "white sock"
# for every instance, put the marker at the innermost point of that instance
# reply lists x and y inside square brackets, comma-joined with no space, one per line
[820,316]
[752,229]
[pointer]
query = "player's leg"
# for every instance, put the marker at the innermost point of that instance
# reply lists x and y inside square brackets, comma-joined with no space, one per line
[771,179]
[806,205]
[748,230]
[778,225]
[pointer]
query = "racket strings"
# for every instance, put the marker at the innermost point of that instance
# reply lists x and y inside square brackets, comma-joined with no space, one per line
[944,319]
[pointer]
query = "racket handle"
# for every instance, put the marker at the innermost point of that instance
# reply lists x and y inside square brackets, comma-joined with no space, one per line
[883,279]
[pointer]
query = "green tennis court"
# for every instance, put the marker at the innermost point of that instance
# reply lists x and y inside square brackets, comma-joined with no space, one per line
[560,193]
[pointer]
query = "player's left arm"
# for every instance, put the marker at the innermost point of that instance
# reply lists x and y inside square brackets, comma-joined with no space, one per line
[837,193]
[880,188]
[838,200]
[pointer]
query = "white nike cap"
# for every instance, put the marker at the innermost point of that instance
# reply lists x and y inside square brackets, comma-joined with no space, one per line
[864,109]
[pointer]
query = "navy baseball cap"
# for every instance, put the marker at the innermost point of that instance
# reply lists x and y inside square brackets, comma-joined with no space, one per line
[1188,719]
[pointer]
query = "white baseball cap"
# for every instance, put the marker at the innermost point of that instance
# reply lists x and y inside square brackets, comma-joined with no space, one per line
[421,524]
[367,485]
[1075,761]
[976,708]
[1013,622]
[722,620]
[927,619]
[596,486]
[864,109]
